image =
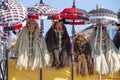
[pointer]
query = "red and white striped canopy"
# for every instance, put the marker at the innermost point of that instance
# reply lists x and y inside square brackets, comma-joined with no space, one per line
[11,12]
[41,9]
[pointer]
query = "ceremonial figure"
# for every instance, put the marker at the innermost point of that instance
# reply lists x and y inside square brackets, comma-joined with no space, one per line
[31,52]
[59,46]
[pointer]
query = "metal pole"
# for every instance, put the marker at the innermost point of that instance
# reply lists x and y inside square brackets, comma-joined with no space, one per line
[72,50]
[41,35]
[101,22]
[40,73]
[73,4]
[110,47]
[41,1]
[7,50]
[100,51]
[5,67]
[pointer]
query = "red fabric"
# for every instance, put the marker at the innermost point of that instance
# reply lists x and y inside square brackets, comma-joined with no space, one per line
[8,33]
[98,41]
[69,16]
[18,26]
[71,10]
[57,17]
[34,16]
[77,23]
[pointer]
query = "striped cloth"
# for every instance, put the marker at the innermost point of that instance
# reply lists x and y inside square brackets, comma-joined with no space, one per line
[9,1]
[14,13]
[15,27]
[42,9]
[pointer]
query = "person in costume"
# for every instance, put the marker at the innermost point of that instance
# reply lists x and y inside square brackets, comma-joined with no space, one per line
[30,51]
[85,64]
[116,38]
[105,57]
[59,46]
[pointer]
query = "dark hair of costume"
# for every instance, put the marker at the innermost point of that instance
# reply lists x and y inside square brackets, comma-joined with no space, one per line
[82,49]
[58,58]
[116,39]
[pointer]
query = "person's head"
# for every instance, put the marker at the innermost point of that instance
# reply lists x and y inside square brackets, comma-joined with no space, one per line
[31,25]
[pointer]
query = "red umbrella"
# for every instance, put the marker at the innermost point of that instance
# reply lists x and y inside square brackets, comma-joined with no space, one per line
[79,16]
[74,16]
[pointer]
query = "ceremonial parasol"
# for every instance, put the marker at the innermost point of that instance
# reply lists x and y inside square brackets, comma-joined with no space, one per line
[102,17]
[73,16]
[79,16]
[12,16]
[11,13]
[41,11]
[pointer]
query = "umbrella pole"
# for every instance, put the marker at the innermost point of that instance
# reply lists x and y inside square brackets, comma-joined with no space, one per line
[7,50]
[72,51]
[41,35]
[40,73]
[5,67]
[100,77]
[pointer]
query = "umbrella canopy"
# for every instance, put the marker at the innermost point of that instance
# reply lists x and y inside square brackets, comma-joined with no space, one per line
[103,16]
[79,16]
[11,12]
[74,15]
[41,11]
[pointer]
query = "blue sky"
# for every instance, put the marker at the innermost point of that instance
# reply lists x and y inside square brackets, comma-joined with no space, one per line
[82,4]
